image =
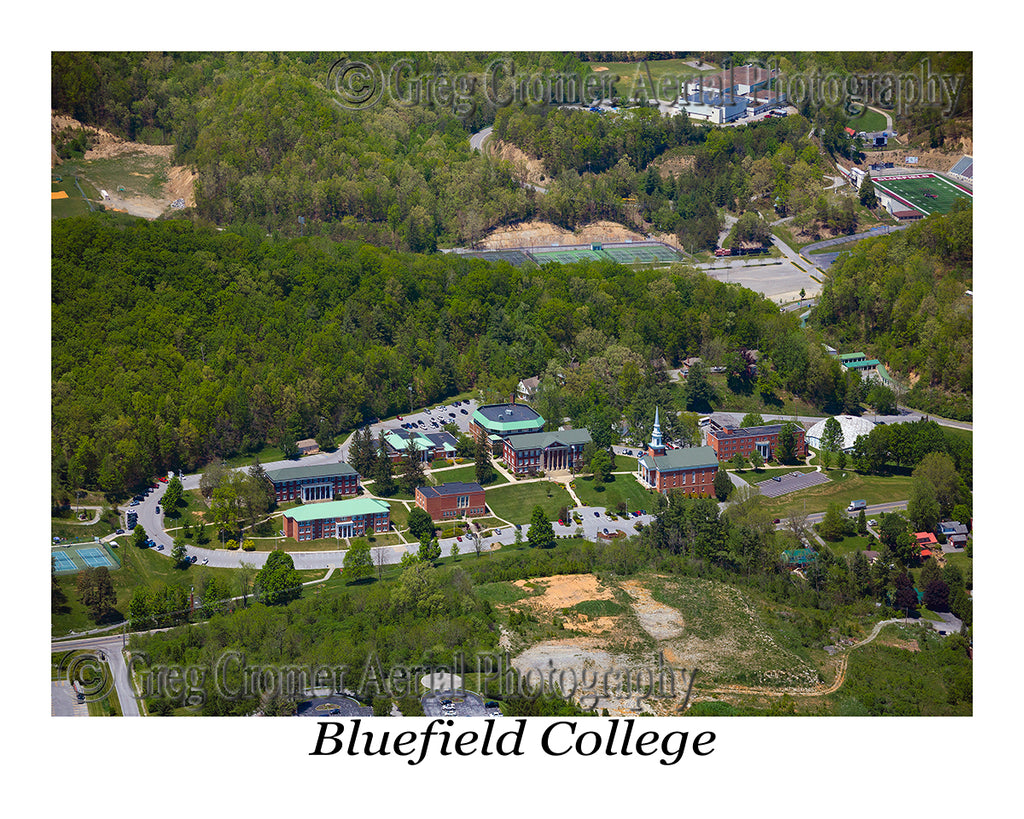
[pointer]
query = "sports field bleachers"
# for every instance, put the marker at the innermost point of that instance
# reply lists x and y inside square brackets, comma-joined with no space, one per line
[964,168]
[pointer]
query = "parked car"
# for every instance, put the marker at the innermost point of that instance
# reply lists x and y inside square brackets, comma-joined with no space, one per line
[160,548]
[119,532]
[597,514]
[193,559]
[158,510]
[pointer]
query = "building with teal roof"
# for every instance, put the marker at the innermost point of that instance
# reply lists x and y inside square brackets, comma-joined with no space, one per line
[337,519]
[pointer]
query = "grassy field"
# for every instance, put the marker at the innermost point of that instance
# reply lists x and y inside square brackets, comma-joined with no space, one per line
[620,488]
[756,476]
[843,488]
[466,474]
[867,121]
[515,503]
[63,526]
[74,204]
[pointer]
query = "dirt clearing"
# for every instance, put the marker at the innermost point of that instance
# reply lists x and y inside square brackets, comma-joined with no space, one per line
[538,234]
[138,178]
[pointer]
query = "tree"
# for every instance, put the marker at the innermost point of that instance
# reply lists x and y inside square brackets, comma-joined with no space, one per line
[213,474]
[420,523]
[173,497]
[383,477]
[831,439]
[139,537]
[412,471]
[862,523]
[833,525]
[923,506]
[358,563]
[482,460]
[756,461]
[722,484]
[362,453]
[430,549]
[882,399]
[289,448]
[906,596]
[752,419]
[867,193]
[785,452]
[455,550]
[601,466]
[97,592]
[699,392]
[936,595]
[245,574]
[939,470]
[541,534]
[278,582]
[179,553]
[738,461]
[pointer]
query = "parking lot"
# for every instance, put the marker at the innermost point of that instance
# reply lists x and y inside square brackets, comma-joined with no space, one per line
[791,482]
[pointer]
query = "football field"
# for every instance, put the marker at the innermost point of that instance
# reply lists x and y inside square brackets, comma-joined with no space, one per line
[924,192]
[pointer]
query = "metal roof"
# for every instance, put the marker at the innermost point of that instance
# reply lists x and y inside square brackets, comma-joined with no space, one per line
[542,440]
[350,508]
[453,488]
[693,457]
[295,473]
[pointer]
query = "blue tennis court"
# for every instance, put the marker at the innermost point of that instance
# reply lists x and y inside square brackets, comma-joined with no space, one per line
[94,558]
[62,563]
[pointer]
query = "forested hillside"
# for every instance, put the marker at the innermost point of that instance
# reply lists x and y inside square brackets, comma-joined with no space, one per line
[903,299]
[174,344]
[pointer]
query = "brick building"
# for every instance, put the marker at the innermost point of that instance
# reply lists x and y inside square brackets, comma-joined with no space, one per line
[496,422]
[337,519]
[727,440]
[690,470]
[545,451]
[313,482]
[451,500]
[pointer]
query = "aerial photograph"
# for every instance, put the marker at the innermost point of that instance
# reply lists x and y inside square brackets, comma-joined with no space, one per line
[455,384]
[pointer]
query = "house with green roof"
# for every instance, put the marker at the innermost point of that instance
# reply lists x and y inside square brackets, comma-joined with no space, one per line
[338,519]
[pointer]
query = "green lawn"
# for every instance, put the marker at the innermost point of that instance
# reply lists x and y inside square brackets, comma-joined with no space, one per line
[842,488]
[849,545]
[466,474]
[755,476]
[145,567]
[515,503]
[867,121]
[621,488]
[624,463]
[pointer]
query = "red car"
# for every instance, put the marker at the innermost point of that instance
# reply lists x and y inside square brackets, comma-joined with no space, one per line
[162,480]
[400,418]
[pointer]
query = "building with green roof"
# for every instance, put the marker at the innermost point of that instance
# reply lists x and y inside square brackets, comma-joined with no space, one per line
[504,420]
[545,451]
[337,519]
[690,470]
[312,482]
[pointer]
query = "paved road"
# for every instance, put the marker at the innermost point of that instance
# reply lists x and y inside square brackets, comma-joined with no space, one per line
[476,141]
[107,648]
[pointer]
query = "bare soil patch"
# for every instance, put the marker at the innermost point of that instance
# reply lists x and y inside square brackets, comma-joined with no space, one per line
[563,591]
[528,169]
[179,184]
[538,233]
[660,621]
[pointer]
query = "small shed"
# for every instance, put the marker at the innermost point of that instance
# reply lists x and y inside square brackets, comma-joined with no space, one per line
[308,446]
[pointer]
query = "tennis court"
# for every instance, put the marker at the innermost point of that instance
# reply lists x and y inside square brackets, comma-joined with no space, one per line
[625,253]
[77,558]
[924,192]
[576,254]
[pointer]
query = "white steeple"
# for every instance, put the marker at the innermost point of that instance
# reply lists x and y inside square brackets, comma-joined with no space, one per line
[656,433]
